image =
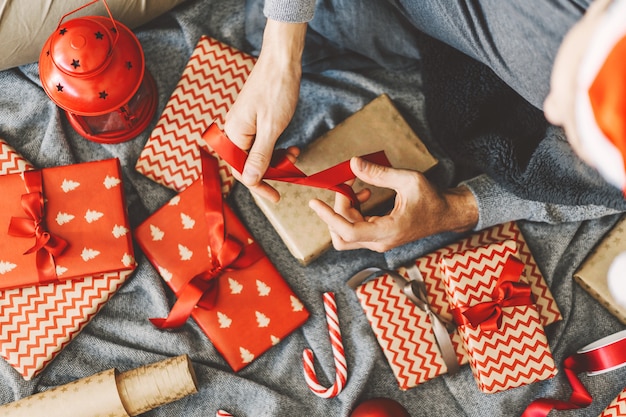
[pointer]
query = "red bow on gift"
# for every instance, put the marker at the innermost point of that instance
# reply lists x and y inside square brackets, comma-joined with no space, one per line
[282,169]
[509,292]
[228,252]
[47,245]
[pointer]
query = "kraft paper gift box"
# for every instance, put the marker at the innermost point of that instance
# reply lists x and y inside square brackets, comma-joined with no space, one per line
[407,337]
[30,338]
[617,408]
[208,87]
[377,126]
[593,273]
[496,316]
[251,307]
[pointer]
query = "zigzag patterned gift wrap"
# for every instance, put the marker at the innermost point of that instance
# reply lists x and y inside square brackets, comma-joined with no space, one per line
[207,89]
[404,331]
[37,322]
[254,308]
[514,351]
[617,408]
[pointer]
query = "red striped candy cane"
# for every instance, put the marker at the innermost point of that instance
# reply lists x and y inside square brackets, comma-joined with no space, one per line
[222,413]
[341,367]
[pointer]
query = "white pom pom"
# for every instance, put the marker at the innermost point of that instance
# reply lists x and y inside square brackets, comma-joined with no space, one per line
[617,279]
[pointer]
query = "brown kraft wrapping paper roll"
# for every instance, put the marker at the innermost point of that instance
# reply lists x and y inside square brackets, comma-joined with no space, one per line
[112,394]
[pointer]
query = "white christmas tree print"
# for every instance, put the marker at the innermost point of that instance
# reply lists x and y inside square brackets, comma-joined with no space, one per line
[119,231]
[223,320]
[6,267]
[235,286]
[261,319]
[60,270]
[174,201]
[246,355]
[156,233]
[275,340]
[167,275]
[296,304]
[262,288]
[128,260]
[187,221]
[88,254]
[69,185]
[110,182]
[184,252]
[63,218]
[92,215]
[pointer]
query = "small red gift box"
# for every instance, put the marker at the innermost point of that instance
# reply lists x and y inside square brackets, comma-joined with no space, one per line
[617,408]
[405,331]
[220,275]
[31,338]
[207,89]
[63,223]
[494,309]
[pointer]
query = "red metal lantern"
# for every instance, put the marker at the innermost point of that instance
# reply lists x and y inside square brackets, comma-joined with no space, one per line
[93,67]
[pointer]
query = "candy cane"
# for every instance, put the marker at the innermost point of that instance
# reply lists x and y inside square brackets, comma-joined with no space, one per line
[222,413]
[341,367]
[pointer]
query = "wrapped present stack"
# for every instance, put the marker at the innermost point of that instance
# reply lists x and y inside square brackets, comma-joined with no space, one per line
[83,206]
[210,261]
[409,341]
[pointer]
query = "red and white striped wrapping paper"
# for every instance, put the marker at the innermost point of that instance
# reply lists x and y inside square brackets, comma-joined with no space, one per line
[37,322]
[208,87]
[404,331]
[517,352]
[617,408]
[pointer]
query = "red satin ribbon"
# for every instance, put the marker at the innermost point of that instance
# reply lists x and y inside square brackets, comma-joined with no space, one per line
[281,169]
[47,245]
[603,358]
[228,253]
[508,292]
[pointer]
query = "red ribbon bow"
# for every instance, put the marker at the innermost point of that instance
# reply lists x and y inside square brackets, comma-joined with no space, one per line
[509,292]
[228,253]
[47,245]
[282,169]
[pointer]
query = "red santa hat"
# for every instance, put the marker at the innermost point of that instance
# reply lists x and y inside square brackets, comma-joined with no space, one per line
[601,96]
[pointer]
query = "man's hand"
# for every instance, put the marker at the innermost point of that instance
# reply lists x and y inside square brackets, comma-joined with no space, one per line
[267,102]
[420,210]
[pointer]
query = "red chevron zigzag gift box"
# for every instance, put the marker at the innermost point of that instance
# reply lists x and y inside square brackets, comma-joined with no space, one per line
[207,89]
[405,331]
[30,338]
[220,275]
[617,408]
[497,319]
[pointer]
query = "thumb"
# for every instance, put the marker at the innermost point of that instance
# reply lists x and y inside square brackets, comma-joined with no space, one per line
[377,175]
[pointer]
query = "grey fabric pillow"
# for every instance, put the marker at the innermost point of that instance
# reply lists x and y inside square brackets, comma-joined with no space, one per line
[26,25]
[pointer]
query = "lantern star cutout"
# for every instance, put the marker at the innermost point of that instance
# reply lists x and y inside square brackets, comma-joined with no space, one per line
[103,95]
[99,35]
[129,65]
[63,31]
[59,88]
[76,63]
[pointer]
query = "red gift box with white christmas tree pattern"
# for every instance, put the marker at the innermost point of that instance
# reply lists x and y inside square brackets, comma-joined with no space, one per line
[30,338]
[617,408]
[244,309]
[208,87]
[405,331]
[494,309]
[63,223]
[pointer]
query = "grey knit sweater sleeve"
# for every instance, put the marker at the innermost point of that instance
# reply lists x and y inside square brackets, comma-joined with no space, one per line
[496,205]
[293,11]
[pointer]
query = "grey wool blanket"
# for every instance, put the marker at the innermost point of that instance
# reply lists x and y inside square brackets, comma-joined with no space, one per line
[336,83]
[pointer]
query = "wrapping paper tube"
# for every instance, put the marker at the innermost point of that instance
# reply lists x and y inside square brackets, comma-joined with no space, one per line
[112,394]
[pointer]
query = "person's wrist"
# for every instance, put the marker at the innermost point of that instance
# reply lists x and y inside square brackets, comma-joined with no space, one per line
[462,210]
[283,42]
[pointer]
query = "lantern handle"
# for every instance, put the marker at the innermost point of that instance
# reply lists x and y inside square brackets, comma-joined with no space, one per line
[106,6]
